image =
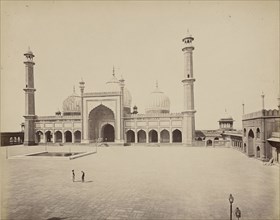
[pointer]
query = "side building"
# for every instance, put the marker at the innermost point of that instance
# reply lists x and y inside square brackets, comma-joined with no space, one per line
[261,137]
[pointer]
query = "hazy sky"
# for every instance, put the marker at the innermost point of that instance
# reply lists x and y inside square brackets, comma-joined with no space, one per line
[236,54]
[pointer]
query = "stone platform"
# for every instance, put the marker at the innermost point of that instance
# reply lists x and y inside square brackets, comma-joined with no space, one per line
[139,183]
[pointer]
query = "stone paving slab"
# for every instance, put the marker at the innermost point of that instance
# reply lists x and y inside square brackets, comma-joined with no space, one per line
[140,183]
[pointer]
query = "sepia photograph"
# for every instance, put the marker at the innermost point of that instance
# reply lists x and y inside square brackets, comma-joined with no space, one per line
[148,110]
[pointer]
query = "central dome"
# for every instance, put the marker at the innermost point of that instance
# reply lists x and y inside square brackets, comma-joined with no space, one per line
[158,102]
[113,85]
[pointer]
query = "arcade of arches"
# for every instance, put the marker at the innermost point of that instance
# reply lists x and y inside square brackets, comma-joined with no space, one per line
[58,137]
[154,136]
[253,146]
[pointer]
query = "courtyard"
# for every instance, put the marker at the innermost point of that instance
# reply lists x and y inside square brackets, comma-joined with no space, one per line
[139,182]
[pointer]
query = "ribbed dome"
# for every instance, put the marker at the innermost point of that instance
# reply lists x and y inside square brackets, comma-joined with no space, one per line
[72,105]
[113,85]
[126,98]
[158,102]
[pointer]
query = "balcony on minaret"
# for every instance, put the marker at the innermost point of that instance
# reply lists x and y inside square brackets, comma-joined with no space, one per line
[188,42]
[82,86]
[29,57]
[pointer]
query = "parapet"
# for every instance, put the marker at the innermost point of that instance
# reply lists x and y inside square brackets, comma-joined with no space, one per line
[261,114]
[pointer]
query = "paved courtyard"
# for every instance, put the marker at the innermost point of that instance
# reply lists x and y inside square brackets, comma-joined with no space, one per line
[139,183]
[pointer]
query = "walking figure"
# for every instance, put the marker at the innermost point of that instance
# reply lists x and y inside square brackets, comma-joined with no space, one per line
[73,175]
[83,176]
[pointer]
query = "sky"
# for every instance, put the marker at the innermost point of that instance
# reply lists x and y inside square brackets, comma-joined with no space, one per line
[236,55]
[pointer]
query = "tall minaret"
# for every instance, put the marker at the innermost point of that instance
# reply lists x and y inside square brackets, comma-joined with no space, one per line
[29,128]
[82,88]
[188,81]
[122,110]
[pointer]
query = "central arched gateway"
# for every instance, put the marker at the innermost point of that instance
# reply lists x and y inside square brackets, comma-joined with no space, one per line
[108,133]
[100,122]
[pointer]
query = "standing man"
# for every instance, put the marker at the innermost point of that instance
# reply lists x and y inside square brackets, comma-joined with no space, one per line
[83,176]
[73,175]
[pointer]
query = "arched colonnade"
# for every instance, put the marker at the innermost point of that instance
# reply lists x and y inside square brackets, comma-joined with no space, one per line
[58,136]
[153,136]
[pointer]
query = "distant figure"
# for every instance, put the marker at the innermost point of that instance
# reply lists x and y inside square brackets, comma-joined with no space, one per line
[73,175]
[83,176]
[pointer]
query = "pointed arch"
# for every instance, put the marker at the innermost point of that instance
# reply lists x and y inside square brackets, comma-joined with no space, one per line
[48,136]
[177,136]
[153,136]
[58,137]
[77,136]
[68,136]
[209,142]
[39,136]
[251,143]
[164,136]
[96,119]
[108,133]
[141,136]
[130,136]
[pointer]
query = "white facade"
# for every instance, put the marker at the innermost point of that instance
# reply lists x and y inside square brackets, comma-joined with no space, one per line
[106,115]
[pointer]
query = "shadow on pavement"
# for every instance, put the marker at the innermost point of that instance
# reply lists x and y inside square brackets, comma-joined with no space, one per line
[76,181]
[56,218]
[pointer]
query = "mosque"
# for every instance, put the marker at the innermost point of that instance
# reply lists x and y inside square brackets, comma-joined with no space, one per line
[107,116]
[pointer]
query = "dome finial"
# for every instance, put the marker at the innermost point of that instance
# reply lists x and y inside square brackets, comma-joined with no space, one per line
[74,90]
[113,70]
[156,84]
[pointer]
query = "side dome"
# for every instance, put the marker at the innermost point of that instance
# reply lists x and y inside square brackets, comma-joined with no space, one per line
[127,99]
[72,105]
[158,102]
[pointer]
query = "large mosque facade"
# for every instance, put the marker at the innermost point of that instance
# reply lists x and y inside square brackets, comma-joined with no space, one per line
[107,116]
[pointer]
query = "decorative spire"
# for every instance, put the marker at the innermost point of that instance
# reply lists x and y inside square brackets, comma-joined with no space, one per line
[113,70]
[82,86]
[156,84]
[262,95]
[74,90]
[121,79]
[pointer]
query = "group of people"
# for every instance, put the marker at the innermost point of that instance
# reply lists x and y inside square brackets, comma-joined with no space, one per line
[83,176]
